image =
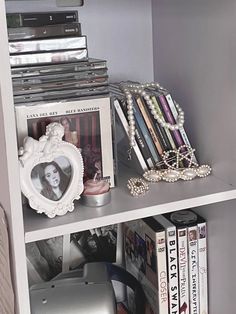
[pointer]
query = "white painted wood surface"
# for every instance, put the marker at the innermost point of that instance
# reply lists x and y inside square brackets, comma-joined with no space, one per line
[162,197]
[10,196]
[194,46]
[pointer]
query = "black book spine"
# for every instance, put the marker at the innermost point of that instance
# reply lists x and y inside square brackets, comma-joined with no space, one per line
[40,19]
[140,140]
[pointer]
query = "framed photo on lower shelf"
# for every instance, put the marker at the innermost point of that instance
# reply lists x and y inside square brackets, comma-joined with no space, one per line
[87,125]
[48,258]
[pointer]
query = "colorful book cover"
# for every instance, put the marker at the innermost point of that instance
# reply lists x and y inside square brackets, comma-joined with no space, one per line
[171,143]
[150,126]
[145,257]
[175,115]
[151,155]
[140,121]
[169,118]
[160,131]
[125,125]
[139,136]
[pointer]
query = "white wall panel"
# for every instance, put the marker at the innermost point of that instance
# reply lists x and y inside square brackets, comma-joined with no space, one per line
[118,31]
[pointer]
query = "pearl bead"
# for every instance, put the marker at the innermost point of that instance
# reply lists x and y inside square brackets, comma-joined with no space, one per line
[128,89]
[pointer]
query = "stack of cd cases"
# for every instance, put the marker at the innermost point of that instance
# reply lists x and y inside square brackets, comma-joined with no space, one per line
[49,58]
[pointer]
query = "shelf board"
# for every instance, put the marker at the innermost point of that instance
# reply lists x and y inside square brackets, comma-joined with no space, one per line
[162,197]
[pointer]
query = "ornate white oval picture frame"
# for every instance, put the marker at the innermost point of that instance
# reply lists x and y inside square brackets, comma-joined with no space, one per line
[51,172]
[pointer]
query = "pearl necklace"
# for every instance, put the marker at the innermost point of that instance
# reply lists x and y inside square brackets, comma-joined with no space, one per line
[139,89]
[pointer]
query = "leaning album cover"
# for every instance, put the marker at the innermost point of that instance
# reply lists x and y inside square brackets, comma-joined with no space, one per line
[87,125]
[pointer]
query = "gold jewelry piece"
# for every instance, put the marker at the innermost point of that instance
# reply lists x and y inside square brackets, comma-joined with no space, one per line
[137,186]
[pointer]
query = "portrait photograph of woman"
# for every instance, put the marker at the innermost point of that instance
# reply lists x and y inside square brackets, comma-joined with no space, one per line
[81,130]
[87,125]
[52,179]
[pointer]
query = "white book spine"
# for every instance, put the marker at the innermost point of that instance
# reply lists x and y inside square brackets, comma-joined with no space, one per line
[175,115]
[162,273]
[193,270]
[173,270]
[183,271]
[202,266]
[126,128]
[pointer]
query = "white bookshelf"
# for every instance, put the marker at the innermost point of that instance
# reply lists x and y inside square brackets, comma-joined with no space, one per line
[161,198]
[190,48]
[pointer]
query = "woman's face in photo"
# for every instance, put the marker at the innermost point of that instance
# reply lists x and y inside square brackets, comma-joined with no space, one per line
[66,125]
[52,176]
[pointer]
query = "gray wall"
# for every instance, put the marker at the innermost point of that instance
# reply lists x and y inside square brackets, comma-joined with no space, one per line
[194,56]
[118,31]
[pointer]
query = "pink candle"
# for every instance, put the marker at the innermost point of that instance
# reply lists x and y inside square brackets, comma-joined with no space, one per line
[95,187]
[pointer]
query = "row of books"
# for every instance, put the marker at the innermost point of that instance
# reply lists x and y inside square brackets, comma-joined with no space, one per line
[151,139]
[168,254]
[49,58]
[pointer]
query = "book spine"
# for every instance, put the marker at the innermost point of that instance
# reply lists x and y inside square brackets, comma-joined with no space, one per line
[144,129]
[145,151]
[171,143]
[175,115]
[202,266]
[149,126]
[40,19]
[140,140]
[162,273]
[193,270]
[19,33]
[170,119]
[160,131]
[126,128]
[173,270]
[47,44]
[183,270]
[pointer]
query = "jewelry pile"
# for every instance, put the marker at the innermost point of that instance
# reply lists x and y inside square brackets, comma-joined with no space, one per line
[172,160]
[171,175]
[137,186]
[139,89]
[177,163]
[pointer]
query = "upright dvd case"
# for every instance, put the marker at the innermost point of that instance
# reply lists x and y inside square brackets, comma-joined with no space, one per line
[172,257]
[197,258]
[183,220]
[145,257]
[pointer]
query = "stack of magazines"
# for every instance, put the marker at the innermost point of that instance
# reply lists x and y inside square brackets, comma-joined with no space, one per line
[49,58]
